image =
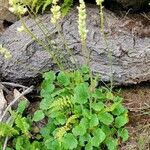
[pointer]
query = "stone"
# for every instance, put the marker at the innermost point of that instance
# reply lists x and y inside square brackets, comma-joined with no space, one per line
[127,36]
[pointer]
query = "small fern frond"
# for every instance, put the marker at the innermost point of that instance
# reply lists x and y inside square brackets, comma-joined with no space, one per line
[46,4]
[22,124]
[61,104]
[7,130]
[71,120]
[61,132]
[66,6]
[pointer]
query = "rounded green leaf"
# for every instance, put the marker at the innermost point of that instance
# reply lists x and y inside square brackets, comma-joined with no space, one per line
[94,121]
[69,141]
[83,139]
[63,79]
[22,106]
[38,115]
[81,93]
[47,87]
[79,130]
[98,106]
[84,121]
[120,121]
[85,69]
[123,133]
[50,76]
[110,95]
[45,103]
[119,110]
[106,129]
[98,138]
[52,144]
[106,118]
[89,146]
[111,143]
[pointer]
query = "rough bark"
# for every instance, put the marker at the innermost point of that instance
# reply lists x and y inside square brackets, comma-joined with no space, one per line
[127,37]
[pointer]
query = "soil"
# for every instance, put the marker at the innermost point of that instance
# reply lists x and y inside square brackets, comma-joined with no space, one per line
[137,100]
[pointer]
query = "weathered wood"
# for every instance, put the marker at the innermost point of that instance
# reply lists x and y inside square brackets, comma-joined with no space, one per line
[127,36]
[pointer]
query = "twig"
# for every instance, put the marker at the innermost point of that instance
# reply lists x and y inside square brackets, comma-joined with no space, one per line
[5,143]
[15,100]
[14,85]
[7,138]
[4,88]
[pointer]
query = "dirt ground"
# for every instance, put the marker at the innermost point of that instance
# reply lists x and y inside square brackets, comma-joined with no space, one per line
[137,100]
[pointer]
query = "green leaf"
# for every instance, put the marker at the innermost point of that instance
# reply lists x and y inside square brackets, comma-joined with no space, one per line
[98,138]
[79,130]
[81,93]
[112,107]
[111,143]
[47,87]
[106,129]
[66,6]
[61,119]
[109,95]
[123,133]
[48,129]
[22,143]
[119,110]
[94,121]
[89,146]
[106,118]
[21,123]
[37,145]
[46,3]
[45,103]
[98,106]
[86,113]
[7,130]
[63,79]
[120,121]
[85,69]
[22,106]
[77,77]
[52,144]
[85,122]
[83,139]
[99,94]
[49,76]
[69,141]
[38,115]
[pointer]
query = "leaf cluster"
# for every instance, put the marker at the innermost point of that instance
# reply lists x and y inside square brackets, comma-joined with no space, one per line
[78,114]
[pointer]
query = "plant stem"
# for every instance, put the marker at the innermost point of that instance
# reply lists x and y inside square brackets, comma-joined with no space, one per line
[106,44]
[42,44]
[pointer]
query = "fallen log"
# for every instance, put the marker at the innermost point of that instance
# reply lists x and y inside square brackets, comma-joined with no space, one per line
[127,36]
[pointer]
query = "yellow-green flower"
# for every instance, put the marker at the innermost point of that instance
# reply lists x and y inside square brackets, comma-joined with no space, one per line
[99,2]
[21,29]
[5,52]
[17,7]
[82,21]
[56,13]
